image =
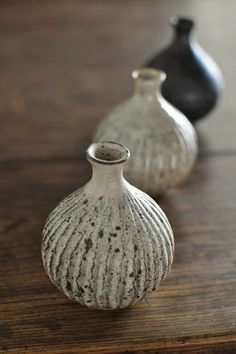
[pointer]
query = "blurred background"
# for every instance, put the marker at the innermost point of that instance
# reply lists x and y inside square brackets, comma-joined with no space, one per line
[64,65]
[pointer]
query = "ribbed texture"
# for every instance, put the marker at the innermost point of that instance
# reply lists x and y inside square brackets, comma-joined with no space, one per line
[163,150]
[107,252]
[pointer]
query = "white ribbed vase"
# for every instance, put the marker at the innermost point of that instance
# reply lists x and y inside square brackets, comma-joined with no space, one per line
[108,244]
[162,142]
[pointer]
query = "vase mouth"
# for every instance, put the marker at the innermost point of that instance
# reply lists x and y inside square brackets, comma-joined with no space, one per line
[182,24]
[107,153]
[148,74]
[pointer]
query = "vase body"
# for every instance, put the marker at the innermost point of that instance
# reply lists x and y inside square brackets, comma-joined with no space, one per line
[194,81]
[162,142]
[108,244]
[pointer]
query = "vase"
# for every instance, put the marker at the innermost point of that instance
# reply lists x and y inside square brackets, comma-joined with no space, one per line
[108,244]
[162,142]
[194,81]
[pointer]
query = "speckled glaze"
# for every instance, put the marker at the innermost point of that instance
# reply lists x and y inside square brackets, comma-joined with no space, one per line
[108,244]
[162,142]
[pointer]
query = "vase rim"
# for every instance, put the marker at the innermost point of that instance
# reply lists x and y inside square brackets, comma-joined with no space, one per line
[107,153]
[148,74]
[182,23]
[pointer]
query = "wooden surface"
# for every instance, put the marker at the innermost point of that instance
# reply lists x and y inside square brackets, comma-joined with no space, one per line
[63,65]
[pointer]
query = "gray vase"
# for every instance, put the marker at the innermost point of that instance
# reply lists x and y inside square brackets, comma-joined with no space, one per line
[108,244]
[162,142]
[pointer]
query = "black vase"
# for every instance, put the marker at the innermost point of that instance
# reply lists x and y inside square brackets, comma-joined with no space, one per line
[194,81]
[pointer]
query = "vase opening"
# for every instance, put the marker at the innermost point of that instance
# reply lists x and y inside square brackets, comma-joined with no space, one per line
[182,25]
[107,153]
[147,81]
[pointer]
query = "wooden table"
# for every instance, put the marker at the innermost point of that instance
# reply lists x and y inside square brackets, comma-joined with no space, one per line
[63,65]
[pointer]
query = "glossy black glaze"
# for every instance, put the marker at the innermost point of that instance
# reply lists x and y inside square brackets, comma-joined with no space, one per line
[194,82]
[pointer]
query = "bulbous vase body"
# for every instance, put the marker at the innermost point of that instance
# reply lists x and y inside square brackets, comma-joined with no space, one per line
[108,244]
[162,142]
[194,81]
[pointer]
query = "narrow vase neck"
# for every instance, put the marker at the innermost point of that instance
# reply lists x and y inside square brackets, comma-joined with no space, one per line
[107,160]
[106,179]
[147,83]
[182,28]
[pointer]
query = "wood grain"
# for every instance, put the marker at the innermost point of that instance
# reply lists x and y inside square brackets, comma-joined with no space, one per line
[196,306]
[63,65]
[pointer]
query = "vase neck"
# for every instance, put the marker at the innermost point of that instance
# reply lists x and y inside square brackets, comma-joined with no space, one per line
[182,28]
[107,160]
[147,82]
